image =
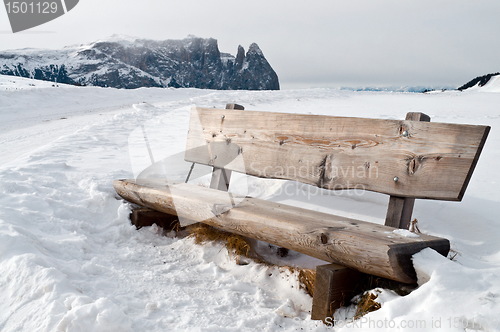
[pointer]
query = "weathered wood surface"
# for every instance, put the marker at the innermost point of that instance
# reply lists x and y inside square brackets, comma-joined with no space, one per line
[367,247]
[141,217]
[400,158]
[334,286]
[220,179]
[220,176]
[400,209]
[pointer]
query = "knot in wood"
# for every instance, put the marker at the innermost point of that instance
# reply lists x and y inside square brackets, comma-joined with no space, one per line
[324,238]
[403,130]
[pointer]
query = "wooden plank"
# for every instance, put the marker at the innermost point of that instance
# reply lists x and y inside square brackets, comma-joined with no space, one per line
[234,107]
[367,247]
[430,160]
[220,176]
[418,116]
[400,209]
[476,159]
[334,286]
[220,179]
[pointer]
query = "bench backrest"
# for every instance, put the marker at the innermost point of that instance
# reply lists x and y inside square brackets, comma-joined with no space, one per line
[397,157]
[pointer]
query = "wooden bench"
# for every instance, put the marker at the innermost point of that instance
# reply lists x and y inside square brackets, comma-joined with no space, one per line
[406,159]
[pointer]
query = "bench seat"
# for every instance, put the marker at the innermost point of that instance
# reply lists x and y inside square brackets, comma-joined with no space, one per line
[370,248]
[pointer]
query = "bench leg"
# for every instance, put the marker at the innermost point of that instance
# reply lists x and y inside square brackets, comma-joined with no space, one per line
[142,217]
[334,286]
[399,212]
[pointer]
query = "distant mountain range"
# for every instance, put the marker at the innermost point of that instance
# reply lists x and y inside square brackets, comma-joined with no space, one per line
[188,63]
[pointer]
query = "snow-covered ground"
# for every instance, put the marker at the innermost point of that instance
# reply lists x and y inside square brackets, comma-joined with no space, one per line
[71,261]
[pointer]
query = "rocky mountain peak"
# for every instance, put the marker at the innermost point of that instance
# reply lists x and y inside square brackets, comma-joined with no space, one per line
[255,49]
[191,62]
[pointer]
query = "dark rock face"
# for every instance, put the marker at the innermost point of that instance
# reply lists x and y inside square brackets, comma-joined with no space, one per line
[191,62]
[480,80]
[249,79]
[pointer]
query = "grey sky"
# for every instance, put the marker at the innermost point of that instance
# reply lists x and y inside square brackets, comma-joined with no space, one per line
[314,43]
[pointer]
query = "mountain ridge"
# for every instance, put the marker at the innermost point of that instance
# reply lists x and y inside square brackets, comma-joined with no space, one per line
[480,81]
[192,62]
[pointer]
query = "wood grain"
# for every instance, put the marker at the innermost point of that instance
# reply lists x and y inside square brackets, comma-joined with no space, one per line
[400,209]
[434,160]
[366,247]
[220,176]
[334,286]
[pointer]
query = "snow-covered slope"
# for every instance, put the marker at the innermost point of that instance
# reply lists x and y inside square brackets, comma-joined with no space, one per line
[70,261]
[486,83]
[493,85]
[20,83]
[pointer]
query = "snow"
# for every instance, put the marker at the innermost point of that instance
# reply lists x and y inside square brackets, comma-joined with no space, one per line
[70,57]
[125,40]
[226,58]
[493,85]
[71,261]
[405,233]
[20,83]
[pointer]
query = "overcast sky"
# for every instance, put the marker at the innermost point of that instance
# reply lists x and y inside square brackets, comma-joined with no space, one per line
[315,43]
